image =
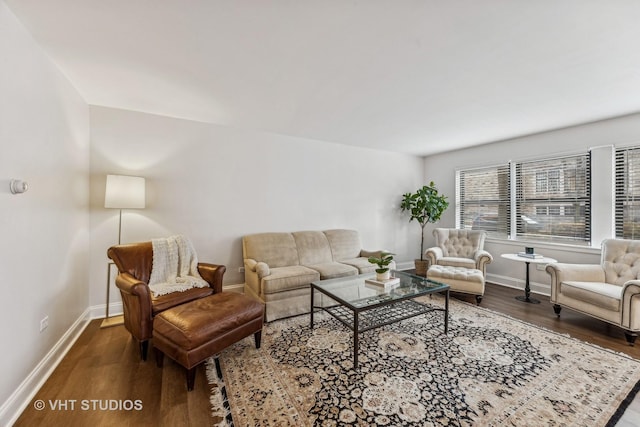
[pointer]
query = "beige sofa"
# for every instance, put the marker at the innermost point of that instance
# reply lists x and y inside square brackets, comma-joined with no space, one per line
[280,266]
[609,291]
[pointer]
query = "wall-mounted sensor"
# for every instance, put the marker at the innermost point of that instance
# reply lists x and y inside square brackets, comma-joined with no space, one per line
[18,186]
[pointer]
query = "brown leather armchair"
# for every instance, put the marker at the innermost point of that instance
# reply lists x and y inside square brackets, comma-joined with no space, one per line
[134,263]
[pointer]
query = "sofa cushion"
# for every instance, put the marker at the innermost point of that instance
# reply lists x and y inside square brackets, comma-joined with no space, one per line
[286,278]
[345,244]
[332,270]
[457,262]
[361,263]
[274,249]
[313,247]
[602,295]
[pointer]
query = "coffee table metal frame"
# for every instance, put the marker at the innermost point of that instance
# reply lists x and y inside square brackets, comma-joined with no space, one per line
[383,308]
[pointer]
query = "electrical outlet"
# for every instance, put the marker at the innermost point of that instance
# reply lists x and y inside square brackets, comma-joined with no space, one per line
[44,323]
[541,267]
[240,269]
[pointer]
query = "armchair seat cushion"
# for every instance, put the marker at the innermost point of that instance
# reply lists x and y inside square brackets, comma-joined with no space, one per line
[288,278]
[332,270]
[457,262]
[163,302]
[602,295]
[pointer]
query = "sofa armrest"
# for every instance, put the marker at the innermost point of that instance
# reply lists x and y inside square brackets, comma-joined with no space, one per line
[561,272]
[369,254]
[378,254]
[250,264]
[260,268]
[631,305]
[433,255]
[483,258]
[213,274]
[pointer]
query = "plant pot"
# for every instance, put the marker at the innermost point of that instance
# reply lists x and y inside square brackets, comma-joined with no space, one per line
[383,276]
[421,267]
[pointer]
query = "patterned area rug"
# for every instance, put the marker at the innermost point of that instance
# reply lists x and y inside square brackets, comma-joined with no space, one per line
[489,370]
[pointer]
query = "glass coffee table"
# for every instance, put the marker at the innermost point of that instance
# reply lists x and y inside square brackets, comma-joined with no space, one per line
[362,306]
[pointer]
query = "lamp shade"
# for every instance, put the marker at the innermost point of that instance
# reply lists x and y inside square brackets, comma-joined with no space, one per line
[124,192]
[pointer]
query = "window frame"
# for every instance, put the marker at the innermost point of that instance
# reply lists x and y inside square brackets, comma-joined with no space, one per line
[627,192]
[566,195]
[501,200]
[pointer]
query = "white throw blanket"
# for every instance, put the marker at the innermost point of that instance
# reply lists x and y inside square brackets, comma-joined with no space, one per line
[175,266]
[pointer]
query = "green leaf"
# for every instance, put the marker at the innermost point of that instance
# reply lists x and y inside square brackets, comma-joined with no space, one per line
[425,206]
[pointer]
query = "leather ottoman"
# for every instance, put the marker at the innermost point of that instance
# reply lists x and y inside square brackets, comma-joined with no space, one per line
[192,332]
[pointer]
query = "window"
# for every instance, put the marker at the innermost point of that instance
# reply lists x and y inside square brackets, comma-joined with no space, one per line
[627,210]
[547,181]
[541,182]
[553,199]
[484,200]
[548,200]
[554,180]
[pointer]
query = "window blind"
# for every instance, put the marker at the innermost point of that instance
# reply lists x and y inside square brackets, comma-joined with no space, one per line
[627,208]
[553,199]
[484,201]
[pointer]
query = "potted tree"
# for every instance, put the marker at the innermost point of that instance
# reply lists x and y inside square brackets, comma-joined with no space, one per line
[383,261]
[426,206]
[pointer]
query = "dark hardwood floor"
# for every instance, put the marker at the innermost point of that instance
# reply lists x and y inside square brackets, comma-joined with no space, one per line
[104,365]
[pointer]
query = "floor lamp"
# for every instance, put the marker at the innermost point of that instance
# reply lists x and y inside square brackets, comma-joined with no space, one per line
[121,192]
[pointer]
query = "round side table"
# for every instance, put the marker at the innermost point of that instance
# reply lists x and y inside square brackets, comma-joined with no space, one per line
[527,289]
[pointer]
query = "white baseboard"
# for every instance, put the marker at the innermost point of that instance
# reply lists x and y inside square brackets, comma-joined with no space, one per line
[510,282]
[100,311]
[238,287]
[20,398]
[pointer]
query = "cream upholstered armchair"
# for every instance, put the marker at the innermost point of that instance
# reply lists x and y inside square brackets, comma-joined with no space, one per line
[609,291]
[459,260]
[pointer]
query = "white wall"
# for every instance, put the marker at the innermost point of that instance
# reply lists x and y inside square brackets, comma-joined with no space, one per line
[622,131]
[44,138]
[216,184]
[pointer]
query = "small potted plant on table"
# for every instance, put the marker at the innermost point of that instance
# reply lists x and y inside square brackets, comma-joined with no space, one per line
[383,261]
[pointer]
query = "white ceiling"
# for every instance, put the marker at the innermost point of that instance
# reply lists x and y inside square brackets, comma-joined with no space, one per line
[413,76]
